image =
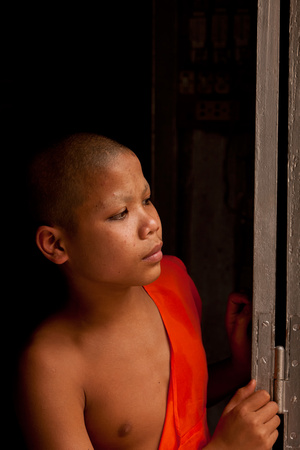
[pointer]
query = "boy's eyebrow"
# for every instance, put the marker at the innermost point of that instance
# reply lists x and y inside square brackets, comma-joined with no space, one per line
[127,198]
[147,188]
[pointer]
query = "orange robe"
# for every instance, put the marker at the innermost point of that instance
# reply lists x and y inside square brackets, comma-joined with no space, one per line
[179,304]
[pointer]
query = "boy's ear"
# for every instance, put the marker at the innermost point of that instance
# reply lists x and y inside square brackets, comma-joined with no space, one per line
[49,241]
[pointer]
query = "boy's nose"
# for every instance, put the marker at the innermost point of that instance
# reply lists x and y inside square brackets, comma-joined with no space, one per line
[150,224]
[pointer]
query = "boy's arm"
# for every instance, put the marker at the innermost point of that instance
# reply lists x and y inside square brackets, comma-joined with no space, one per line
[249,421]
[225,377]
[51,404]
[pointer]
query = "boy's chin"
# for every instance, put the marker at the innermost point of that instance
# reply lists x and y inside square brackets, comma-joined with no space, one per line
[153,275]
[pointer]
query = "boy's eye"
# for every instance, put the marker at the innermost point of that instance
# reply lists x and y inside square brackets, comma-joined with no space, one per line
[147,201]
[119,216]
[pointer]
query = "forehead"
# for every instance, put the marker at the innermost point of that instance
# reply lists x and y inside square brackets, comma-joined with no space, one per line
[120,179]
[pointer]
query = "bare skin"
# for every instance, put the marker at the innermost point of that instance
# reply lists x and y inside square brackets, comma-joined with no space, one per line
[96,375]
[107,384]
[249,421]
[100,369]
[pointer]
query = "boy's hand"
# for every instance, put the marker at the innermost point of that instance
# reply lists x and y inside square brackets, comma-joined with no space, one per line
[238,318]
[249,421]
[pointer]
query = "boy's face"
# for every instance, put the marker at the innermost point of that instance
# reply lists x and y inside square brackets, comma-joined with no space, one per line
[117,229]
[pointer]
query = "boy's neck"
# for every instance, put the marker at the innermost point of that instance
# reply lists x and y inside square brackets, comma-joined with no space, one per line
[101,306]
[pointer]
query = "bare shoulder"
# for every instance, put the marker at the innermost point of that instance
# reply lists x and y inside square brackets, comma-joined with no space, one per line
[49,367]
[50,394]
[51,362]
[51,347]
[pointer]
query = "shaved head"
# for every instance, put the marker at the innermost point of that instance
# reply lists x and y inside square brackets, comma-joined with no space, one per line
[60,176]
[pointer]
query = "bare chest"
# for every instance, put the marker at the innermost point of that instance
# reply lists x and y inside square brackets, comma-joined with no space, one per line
[127,387]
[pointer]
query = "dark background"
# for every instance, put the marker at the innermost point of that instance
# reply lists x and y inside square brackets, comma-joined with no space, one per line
[78,69]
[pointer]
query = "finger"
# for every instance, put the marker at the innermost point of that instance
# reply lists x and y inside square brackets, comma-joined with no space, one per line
[237,305]
[273,424]
[273,438]
[241,395]
[236,300]
[268,412]
[242,321]
[255,401]
[272,431]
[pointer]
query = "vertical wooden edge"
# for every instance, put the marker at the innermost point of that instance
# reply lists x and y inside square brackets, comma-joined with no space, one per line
[291,420]
[265,195]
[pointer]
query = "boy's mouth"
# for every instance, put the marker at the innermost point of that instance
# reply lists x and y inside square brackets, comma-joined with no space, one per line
[155,255]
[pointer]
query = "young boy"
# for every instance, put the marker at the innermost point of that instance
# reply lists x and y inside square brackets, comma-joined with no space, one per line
[122,365]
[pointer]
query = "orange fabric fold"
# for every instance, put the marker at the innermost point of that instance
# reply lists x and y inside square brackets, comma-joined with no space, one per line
[179,304]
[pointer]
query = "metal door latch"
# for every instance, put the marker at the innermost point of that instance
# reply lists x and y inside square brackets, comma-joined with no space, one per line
[287,383]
